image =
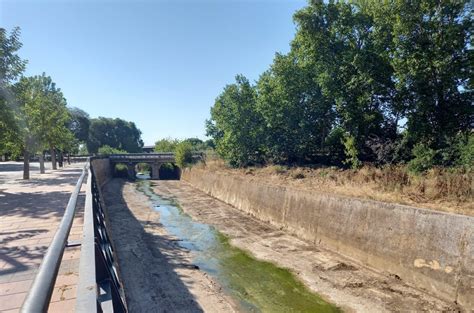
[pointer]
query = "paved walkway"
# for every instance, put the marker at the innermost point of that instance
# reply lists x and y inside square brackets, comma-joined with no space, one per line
[30,213]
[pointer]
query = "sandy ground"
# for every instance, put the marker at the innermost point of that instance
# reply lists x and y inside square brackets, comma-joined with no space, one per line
[159,276]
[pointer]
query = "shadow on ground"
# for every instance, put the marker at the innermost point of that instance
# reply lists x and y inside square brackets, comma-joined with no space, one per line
[15,256]
[147,261]
[41,205]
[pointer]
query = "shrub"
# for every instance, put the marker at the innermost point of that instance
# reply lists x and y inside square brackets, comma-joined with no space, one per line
[110,150]
[352,154]
[466,153]
[279,169]
[121,170]
[423,158]
[297,175]
[183,154]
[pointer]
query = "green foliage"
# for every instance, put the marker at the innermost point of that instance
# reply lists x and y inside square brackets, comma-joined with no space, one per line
[184,154]
[143,167]
[432,63]
[334,144]
[236,124]
[166,145]
[114,132]
[423,158]
[199,145]
[82,149]
[351,151]
[170,144]
[110,150]
[296,115]
[466,155]
[390,73]
[79,124]
[42,115]
[11,67]
[121,170]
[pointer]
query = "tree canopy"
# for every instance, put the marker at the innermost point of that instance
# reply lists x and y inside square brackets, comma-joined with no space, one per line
[363,81]
[115,133]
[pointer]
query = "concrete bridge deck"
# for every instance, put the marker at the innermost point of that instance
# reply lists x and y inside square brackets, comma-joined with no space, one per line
[30,213]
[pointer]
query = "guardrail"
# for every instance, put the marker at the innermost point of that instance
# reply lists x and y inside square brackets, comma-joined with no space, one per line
[149,156]
[39,296]
[99,288]
[140,156]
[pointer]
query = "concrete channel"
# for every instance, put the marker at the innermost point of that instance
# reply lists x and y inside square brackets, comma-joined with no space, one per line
[177,242]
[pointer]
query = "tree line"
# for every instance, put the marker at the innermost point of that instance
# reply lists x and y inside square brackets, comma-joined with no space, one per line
[184,149]
[34,116]
[365,81]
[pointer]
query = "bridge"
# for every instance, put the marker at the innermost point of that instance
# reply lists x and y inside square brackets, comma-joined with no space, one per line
[155,160]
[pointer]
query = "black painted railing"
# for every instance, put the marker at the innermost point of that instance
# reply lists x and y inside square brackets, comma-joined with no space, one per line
[99,289]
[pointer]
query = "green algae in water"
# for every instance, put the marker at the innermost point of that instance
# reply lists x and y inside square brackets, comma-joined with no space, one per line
[258,285]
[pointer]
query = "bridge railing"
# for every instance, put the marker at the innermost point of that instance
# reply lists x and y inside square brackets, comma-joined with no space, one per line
[149,156]
[140,156]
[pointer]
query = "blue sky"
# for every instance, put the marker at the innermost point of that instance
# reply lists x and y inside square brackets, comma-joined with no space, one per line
[160,64]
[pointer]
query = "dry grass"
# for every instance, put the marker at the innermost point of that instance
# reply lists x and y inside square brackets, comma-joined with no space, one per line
[449,190]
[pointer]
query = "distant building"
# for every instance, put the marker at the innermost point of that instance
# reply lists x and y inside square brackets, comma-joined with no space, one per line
[148,149]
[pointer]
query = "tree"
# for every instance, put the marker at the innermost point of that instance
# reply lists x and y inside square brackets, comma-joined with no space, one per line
[296,115]
[55,117]
[79,124]
[28,100]
[116,133]
[11,67]
[184,155]
[43,117]
[166,145]
[432,61]
[340,41]
[237,124]
[109,150]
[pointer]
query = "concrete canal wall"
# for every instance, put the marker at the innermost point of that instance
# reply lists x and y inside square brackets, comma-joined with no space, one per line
[431,250]
[102,170]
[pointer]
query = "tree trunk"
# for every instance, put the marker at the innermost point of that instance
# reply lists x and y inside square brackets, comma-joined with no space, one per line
[53,158]
[26,164]
[61,158]
[41,160]
[69,158]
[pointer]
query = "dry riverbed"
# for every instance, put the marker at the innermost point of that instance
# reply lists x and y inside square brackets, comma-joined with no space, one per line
[158,273]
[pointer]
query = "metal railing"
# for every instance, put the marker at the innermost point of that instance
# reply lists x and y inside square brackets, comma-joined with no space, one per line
[149,156]
[140,156]
[39,296]
[99,288]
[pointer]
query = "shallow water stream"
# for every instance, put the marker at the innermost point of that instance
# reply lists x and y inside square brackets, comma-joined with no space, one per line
[257,285]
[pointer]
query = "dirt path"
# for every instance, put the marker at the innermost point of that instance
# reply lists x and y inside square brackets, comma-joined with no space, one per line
[158,275]
[341,281]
